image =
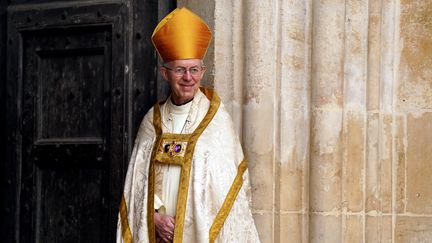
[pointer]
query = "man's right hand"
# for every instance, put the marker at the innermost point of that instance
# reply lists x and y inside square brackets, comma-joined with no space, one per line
[164,225]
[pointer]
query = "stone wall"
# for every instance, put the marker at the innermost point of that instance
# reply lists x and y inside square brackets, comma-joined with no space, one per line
[333,102]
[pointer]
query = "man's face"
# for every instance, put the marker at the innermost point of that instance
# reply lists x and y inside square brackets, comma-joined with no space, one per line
[184,77]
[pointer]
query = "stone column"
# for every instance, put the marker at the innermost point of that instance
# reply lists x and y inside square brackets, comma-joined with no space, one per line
[292,132]
[260,84]
[327,121]
[412,129]
[379,165]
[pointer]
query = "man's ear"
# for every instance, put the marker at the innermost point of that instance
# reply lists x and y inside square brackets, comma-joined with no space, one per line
[203,71]
[164,72]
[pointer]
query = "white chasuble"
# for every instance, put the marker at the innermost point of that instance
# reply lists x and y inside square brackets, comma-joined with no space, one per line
[213,202]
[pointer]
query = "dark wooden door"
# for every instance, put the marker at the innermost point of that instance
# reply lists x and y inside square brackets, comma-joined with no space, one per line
[80,76]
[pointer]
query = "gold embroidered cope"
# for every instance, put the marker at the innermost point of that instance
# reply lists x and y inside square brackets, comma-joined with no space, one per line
[164,151]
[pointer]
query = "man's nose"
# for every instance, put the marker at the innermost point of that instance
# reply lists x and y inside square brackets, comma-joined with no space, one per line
[187,75]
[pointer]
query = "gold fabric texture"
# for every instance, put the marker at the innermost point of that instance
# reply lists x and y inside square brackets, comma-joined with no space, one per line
[228,202]
[126,233]
[181,35]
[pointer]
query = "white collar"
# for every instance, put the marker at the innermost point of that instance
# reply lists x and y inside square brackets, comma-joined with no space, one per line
[178,109]
[166,111]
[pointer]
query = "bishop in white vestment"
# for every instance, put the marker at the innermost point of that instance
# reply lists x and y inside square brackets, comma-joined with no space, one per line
[187,179]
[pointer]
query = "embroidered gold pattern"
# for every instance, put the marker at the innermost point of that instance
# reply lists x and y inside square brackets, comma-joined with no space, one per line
[126,233]
[166,158]
[158,155]
[151,178]
[228,202]
[173,148]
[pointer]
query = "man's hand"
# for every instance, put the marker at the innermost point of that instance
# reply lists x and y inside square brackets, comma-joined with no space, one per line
[164,225]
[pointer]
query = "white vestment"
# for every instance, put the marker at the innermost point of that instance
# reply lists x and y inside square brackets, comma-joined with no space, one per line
[214,200]
[177,120]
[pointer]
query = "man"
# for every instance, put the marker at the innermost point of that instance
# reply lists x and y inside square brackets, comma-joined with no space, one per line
[187,179]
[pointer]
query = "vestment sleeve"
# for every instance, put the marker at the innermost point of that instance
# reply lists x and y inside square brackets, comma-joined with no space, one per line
[158,204]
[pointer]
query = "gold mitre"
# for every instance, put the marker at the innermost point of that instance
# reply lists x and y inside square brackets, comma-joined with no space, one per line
[181,35]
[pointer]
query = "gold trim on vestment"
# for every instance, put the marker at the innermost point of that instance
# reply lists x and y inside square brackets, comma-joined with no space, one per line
[126,233]
[184,161]
[151,179]
[228,202]
[166,158]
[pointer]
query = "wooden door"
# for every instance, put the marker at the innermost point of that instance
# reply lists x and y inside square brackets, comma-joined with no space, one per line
[74,100]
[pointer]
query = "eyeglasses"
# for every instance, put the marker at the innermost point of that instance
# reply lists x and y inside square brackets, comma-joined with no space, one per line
[180,71]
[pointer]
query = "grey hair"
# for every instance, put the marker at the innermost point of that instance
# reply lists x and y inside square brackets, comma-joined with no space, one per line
[201,61]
